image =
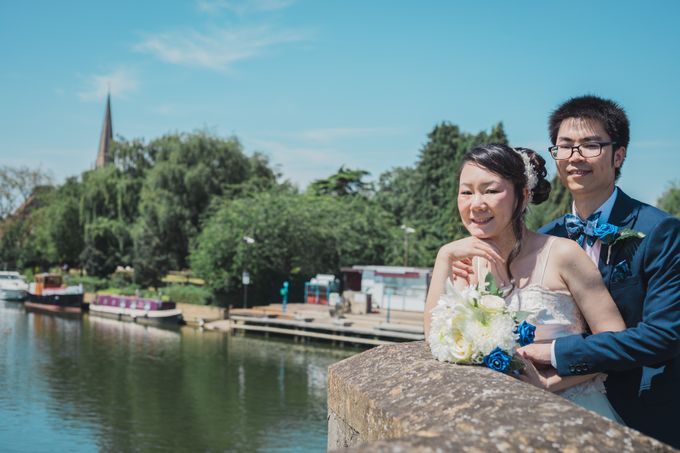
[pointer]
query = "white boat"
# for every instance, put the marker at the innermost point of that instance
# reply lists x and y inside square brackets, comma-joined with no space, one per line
[12,286]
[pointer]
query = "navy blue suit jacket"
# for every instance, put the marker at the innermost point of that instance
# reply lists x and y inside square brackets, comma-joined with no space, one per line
[643,361]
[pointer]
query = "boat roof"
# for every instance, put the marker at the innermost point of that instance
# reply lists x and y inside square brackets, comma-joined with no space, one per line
[13,273]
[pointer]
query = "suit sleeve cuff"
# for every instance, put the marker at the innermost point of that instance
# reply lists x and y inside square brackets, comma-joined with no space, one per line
[553,359]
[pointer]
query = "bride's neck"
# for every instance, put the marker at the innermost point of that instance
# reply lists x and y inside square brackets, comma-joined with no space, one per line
[506,241]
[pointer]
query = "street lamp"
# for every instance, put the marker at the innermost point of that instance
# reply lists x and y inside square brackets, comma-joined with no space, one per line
[245,278]
[407,230]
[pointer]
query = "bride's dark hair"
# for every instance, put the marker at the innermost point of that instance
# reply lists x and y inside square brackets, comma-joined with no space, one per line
[507,163]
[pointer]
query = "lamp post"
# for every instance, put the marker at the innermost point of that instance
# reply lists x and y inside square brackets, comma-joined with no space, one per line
[245,278]
[388,291]
[407,231]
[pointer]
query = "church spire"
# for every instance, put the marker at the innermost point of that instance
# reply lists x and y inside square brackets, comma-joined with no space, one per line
[106,137]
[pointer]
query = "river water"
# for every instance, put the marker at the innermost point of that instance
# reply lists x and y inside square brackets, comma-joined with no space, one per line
[88,384]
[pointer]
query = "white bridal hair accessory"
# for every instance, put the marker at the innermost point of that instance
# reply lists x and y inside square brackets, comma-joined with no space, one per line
[532,178]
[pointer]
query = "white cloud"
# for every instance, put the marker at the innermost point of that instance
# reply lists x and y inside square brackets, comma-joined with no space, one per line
[118,83]
[217,49]
[241,7]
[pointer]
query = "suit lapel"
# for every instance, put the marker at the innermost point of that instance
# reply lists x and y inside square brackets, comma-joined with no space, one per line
[624,215]
[625,211]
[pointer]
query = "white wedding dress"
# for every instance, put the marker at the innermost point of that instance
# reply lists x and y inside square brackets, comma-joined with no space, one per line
[555,314]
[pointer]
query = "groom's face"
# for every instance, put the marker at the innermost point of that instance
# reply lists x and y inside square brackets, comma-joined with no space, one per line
[587,176]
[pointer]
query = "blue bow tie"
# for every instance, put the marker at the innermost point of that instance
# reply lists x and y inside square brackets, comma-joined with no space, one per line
[589,230]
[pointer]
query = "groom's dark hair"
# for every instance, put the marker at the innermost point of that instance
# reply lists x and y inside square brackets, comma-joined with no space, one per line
[609,113]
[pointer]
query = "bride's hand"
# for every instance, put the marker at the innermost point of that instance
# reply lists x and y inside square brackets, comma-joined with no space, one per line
[469,247]
[534,376]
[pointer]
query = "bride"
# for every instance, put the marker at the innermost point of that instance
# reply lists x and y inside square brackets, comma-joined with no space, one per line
[550,277]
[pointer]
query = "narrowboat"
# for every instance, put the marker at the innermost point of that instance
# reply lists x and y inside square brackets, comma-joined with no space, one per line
[136,309]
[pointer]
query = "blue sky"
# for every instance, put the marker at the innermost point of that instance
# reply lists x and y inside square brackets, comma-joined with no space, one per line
[316,84]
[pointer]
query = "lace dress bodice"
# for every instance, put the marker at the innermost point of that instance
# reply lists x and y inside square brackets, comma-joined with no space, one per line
[555,314]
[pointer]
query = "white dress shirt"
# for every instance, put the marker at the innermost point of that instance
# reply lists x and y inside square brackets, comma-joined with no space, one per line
[593,251]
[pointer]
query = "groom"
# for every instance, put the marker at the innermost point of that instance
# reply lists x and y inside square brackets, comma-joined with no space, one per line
[590,137]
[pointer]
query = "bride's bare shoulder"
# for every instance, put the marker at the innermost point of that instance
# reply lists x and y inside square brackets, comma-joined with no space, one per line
[566,251]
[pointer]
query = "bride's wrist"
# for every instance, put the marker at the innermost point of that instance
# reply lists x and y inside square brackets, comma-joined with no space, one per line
[444,256]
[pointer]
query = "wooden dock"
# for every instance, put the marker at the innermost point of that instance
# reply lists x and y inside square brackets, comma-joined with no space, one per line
[305,322]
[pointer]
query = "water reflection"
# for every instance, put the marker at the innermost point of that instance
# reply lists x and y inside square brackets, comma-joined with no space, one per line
[116,386]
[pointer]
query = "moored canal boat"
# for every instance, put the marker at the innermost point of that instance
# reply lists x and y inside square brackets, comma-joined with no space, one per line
[47,292]
[12,286]
[136,309]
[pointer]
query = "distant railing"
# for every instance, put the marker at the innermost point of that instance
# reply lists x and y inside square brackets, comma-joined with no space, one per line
[397,398]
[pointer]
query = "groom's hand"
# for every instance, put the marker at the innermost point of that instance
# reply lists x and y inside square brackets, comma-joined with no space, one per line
[462,269]
[537,353]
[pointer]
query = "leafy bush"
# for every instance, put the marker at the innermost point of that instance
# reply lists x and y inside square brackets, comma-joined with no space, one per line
[122,280]
[188,294]
[90,284]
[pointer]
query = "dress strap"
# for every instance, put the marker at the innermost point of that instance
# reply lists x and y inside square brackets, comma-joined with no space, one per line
[477,270]
[551,241]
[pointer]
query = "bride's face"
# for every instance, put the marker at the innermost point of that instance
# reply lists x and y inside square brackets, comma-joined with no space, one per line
[485,201]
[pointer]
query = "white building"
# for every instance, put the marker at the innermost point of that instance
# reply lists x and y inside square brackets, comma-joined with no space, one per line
[402,288]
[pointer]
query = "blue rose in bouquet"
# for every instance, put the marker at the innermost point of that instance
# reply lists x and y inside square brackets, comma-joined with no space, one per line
[498,360]
[525,333]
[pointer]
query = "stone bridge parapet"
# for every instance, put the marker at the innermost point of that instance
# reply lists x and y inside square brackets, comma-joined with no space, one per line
[397,398]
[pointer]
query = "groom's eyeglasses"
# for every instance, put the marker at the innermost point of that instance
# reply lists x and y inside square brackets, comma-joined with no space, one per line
[587,149]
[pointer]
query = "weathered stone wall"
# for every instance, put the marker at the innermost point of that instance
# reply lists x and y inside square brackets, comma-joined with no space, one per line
[397,398]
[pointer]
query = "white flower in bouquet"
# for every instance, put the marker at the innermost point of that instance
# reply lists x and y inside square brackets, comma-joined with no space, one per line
[503,332]
[446,338]
[474,326]
[451,296]
[470,293]
[492,303]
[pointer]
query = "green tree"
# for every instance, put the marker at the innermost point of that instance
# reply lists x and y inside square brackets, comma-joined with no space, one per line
[107,245]
[558,204]
[17,184]
[345,182]
[109,206]
[190,170]
[296,237]
[24,240]
[426,195]
[23,191]
[57,229]
[395,189]
[669,201]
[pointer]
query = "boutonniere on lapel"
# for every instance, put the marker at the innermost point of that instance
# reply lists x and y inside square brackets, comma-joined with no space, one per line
[611,234]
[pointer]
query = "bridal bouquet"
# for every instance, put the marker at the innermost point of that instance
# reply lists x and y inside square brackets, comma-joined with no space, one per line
[475,327]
